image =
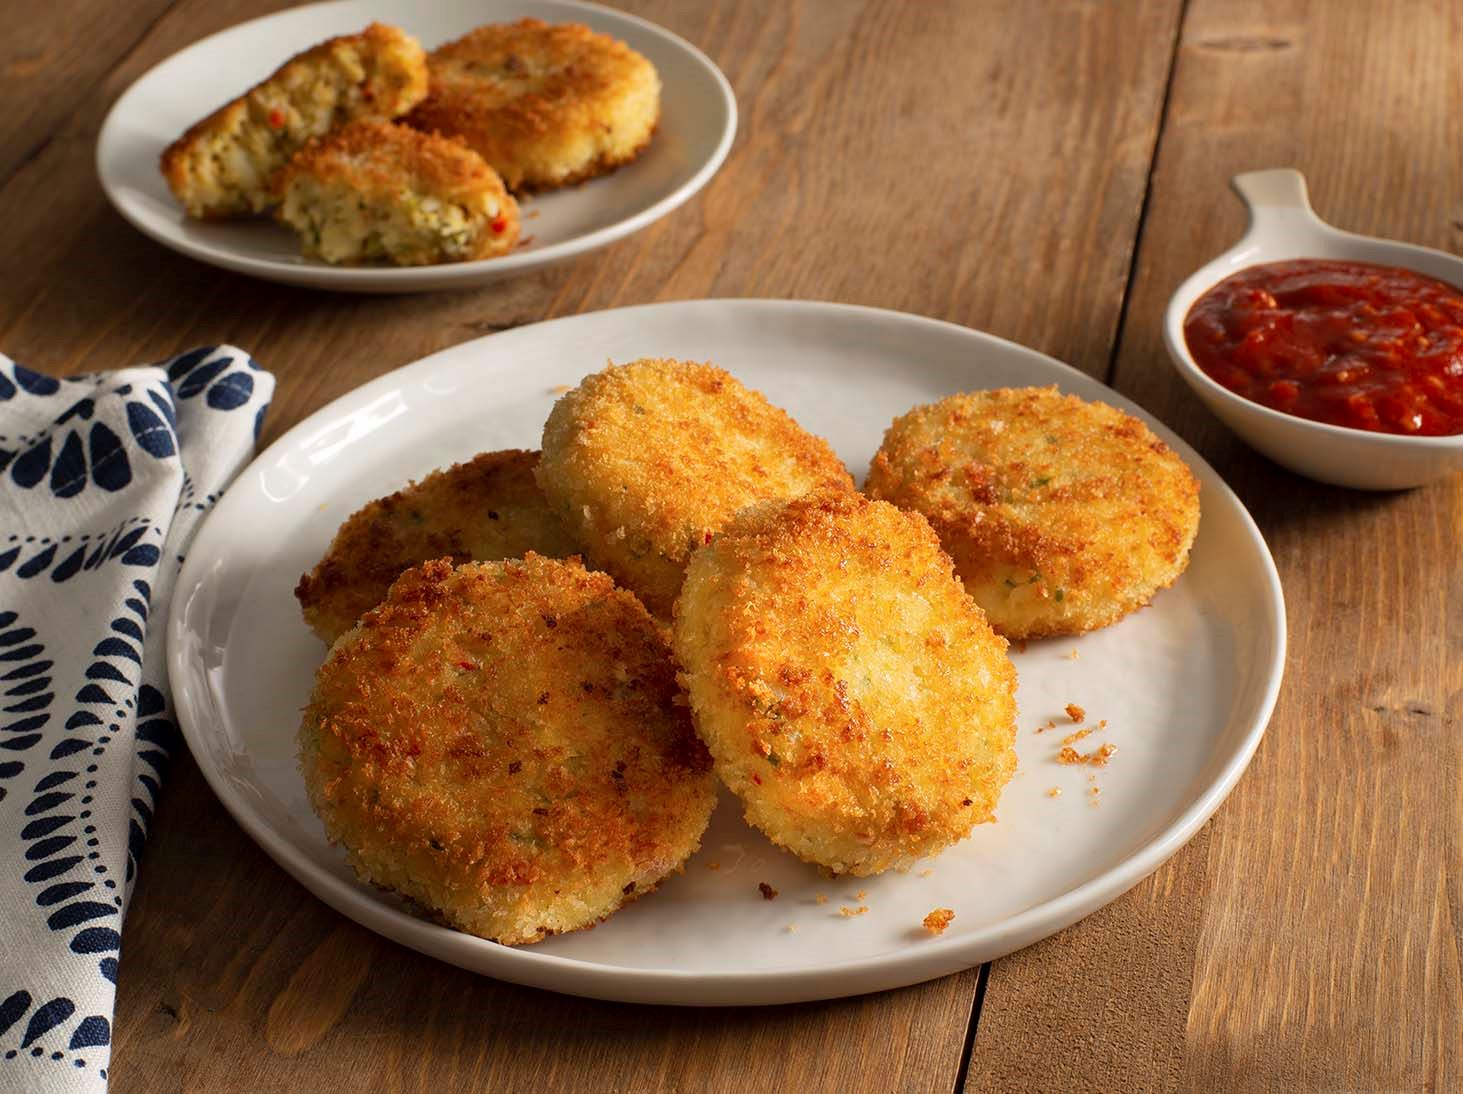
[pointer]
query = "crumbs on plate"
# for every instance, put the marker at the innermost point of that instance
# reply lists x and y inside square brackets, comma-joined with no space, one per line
[938,920]
[767,891]
[1097,758]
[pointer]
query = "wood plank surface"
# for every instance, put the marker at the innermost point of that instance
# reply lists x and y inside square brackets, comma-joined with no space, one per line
[47,68]
[984,163]
[1310,938]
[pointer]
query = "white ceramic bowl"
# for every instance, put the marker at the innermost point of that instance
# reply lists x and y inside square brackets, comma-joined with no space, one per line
[1283,226]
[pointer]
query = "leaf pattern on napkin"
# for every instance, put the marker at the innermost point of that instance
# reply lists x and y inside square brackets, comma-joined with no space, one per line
[103,479]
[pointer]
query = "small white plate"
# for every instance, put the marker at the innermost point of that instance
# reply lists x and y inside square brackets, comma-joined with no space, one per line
[1186,685]
[698,122]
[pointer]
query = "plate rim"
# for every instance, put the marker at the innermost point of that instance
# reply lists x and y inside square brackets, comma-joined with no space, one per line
[437,275]
[895,968]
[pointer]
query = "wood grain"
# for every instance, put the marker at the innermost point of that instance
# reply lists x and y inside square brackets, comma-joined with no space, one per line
[47,68]
[1310,940]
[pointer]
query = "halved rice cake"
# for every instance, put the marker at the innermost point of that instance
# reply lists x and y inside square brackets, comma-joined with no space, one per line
[373,190]
[224,166]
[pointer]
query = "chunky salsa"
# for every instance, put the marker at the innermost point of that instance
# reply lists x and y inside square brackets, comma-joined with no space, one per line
[1349,343]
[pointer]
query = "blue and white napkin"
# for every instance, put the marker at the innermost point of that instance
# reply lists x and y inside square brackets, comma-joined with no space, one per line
[103,479]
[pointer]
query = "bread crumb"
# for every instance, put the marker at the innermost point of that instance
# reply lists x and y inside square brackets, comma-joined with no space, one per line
[821,899]
[938,920]
[1054,792]
[767,891]
[860,894]
[1074,712]
[1078,735]
[559,389]
[927,871]
[849,913]
[1049,724]
[791,928]
[1099,758]
[1073,655]
[713,866]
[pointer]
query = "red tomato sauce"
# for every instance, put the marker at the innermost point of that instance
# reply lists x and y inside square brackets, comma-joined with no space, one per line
[1349,343]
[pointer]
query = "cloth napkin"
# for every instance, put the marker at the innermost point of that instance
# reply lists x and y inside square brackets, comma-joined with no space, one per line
[103,479]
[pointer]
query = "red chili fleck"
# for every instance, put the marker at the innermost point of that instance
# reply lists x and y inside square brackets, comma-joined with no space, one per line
[468,665]
[757,779]
[276,118]
[500,226]
[706,537]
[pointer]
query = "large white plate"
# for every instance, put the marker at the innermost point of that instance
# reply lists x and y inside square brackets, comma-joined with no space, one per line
[1186,685]
[698,121]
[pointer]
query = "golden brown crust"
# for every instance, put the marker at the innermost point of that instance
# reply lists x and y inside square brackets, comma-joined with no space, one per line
[486,509]
[500,743]
[646,461]
[1061,515]
[851,693]
[416,198]
[375,157]
[225,163]
[546,105]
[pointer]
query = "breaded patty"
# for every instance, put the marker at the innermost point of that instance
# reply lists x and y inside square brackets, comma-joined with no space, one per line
[486,509]
[545,105]
[646,461]
[851,693]
[225,165]
[501,744]
[1061,515]
[373,190]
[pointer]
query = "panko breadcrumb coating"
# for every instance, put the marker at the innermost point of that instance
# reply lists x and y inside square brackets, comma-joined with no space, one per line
[546,105]
[373,190]
[646,461]
[486,509]
[500,744]
[851,693]
[1062,515]
[225,165]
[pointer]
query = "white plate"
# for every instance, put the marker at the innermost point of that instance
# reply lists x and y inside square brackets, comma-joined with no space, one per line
[1186,685]
[698,121]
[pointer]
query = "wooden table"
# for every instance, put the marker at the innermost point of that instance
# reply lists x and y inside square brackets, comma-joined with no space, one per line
[1045,171]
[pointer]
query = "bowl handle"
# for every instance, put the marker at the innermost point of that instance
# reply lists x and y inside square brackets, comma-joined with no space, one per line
[1272,195]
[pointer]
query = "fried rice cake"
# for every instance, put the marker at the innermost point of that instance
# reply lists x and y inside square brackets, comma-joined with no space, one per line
[644,462]
[224,166]
[500,743]
[852,694]
[1062,515]
[372,190]
[546,105]
[484,510]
